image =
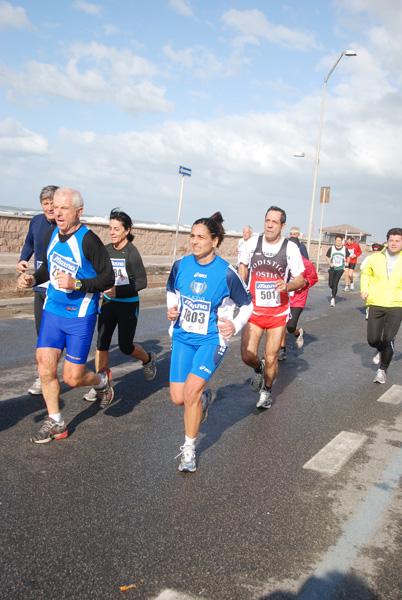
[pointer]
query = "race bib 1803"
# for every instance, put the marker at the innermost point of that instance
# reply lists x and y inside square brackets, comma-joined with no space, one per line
[194,316]
[266,294]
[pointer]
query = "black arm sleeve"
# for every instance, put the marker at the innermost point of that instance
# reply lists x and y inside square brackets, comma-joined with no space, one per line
[98,256]
[136,274]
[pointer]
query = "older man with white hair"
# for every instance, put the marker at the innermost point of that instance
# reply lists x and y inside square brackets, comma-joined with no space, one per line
[78,268]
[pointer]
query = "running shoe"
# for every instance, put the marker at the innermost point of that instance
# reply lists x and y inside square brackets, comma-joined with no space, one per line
[36,387]
[265,400]
[346,288]
[150,367]
[106,394]
[50,431]
[282,354]
[332,303]
[187,461]
[377,358]
[257,379]
[206,400]
[380,377]
[299,341]
[352,286]
[90,396]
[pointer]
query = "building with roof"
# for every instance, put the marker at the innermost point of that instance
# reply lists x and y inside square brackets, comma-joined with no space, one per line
[329,233]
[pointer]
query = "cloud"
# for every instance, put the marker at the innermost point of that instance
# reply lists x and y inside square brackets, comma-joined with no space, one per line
[111,76]
[16,140]
[254,27]
[88,7]
[202,62]
[182,7]
[111,30]
[12,17]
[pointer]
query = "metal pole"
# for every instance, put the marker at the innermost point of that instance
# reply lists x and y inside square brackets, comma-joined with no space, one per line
[178,218]
[316,161]
[319,239]
[317,155]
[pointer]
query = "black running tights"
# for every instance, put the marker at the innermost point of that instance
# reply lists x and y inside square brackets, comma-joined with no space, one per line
[382,326]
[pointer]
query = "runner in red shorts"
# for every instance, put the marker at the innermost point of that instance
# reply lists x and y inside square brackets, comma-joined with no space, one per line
[271,258]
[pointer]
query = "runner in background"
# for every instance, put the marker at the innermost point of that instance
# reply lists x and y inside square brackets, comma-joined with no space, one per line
[298,301]
[121,303]
[337,259]
[34,245]
[354,253]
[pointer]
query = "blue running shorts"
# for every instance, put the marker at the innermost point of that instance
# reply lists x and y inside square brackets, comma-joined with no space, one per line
[75,335]
[199,360]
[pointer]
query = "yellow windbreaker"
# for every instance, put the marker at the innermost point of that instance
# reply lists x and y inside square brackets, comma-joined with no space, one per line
[382,290]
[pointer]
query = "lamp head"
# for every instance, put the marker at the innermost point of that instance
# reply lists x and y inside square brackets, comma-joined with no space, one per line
[350,53]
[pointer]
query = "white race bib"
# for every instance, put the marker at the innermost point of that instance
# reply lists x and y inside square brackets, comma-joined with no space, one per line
[194,317]
[120,271]
[266,294]
[337,260]
[64,264]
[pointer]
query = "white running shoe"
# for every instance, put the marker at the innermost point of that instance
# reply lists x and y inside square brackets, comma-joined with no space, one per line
[299,341]
[36,387]
[332,303]
[187,461]
[380,377]
[352,286]
[377,358]
[90,396]
[265,400]
[346,288]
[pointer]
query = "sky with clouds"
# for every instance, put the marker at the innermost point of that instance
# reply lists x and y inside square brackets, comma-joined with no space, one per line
[111,97]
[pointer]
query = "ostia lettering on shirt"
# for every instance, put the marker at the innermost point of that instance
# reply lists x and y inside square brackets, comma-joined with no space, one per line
[276,270]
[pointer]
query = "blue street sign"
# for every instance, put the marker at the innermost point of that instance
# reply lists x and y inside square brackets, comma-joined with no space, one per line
[184,171]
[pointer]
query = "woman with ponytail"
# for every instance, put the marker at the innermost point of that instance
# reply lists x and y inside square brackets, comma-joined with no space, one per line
[121,303]
[202,293]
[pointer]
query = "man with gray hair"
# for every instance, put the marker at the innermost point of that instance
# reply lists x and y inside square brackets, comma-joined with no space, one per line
[247,233]
[78,266]
[34,245]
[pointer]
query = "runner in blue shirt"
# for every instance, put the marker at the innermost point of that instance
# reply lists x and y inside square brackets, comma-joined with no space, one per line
[202,293]
[34,245]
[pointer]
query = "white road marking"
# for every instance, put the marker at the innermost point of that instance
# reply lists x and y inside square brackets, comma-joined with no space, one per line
[336,453]
[338,561]
[392,396]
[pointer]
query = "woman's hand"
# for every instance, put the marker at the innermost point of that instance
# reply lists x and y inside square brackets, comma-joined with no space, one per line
[173,313]
[226,328]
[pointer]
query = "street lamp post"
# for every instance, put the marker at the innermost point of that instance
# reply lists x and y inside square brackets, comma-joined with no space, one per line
[317,155]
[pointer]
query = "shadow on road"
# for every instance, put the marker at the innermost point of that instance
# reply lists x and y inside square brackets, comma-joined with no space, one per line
[334,586]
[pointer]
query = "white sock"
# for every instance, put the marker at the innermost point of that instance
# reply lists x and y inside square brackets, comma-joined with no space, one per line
[57,418]
[102,381]
[189,441]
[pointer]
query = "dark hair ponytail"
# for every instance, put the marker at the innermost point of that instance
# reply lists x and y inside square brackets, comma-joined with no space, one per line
[214,226]
[125,220]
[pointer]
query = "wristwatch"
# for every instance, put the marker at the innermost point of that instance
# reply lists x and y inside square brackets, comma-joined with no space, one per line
[307,282]
[78,284]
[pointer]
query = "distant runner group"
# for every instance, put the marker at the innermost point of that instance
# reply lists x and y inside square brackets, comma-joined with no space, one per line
[208,302]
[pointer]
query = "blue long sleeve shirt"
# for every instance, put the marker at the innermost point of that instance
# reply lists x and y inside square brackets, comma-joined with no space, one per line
[34,243]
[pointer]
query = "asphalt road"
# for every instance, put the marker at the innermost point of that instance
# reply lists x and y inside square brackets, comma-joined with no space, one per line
[107,507]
